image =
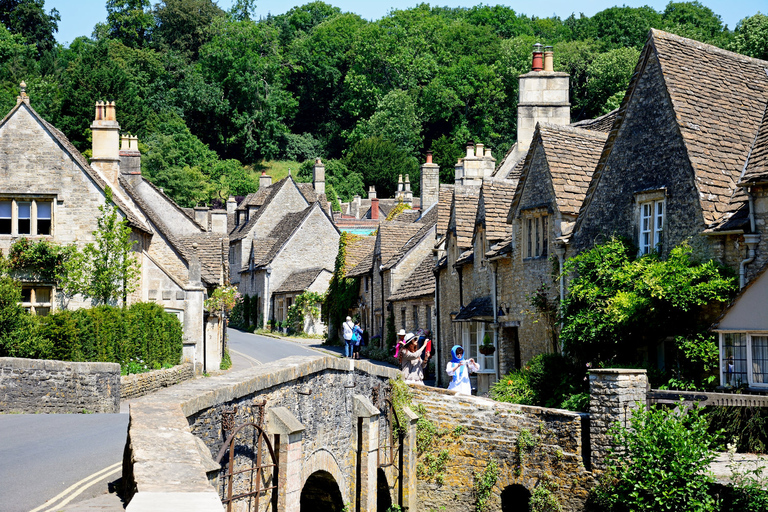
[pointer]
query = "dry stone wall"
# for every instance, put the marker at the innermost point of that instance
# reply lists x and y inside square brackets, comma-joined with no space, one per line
[140,384]
[38,386]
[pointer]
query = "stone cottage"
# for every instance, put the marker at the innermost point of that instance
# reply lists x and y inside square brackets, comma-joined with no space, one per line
[670,168]
[49,191]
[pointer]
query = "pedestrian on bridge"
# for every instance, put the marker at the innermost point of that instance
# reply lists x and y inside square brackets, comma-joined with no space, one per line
[349,329]
[458,368]
[412,366]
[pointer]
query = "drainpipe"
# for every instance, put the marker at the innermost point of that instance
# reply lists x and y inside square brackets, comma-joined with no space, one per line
[560,251]
[383,309]
[461,288]
[436,336]
[267,310]
[495,320]
[751,241]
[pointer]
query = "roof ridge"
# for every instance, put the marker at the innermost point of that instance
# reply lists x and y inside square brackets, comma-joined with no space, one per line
[594,134]
[661,34]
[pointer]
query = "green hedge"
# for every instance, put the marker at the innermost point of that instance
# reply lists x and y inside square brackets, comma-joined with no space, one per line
[143,335]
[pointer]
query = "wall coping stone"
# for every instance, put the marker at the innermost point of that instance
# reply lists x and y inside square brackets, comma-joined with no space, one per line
[49,364]
[282,421]
[364,408]
[618,371]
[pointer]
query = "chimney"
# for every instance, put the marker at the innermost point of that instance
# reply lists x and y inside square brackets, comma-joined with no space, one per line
[318,177]
[375,208]
[264,180]
[194,266]
[219,221]
[130,158]
[549,59]
[407,194]
[354,207]
[399,193]
[488,153]
[479,150]
[201,216]
[538,61]
[470,149]
[430,183]
[105,134]
[372,192]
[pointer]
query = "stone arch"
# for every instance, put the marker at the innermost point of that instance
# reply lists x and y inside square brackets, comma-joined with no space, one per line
[321,493]
[515,498]
[324,460]
[383,495]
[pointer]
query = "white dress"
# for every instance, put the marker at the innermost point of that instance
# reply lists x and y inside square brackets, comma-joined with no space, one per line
[460,376]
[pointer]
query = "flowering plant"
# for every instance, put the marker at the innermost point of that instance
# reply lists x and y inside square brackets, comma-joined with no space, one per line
[224,297]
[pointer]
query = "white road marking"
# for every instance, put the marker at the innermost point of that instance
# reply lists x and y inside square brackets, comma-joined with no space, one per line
[252,359]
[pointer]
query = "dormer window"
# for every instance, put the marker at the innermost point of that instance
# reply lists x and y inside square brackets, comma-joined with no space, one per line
[652,210]
[535,233]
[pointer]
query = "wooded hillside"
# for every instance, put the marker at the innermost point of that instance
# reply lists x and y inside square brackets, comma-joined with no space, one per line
[211,94]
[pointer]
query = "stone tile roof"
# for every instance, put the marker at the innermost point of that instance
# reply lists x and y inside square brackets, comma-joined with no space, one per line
[360,256]
[299,281]
[393,235]
[464,214]
[308,191]
[493,206]
[719,98]
[127,209]
[444,200]
[408,216]
[420,283]
[501,248]
[600,124]
[572,155]
[479,307]
[259,198]
[464,258]
[385,206]
[426,229]
[756,170]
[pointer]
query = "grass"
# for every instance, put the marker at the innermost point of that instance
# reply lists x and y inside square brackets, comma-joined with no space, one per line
[277,169]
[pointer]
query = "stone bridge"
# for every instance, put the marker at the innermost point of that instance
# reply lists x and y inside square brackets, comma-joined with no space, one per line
[317,434]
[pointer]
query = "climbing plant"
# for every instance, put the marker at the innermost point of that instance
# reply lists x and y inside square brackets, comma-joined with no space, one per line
[305,306]
[39,260]
[342,290]
[399,208]
[223,298]
[484,482]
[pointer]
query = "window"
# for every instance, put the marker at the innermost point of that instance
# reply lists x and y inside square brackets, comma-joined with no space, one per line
[366,283]
[402,318]
[415,317]
[429,317]
[651,222]
[535,235]
[472,337]
[744,359]
[37,299]
[26,216]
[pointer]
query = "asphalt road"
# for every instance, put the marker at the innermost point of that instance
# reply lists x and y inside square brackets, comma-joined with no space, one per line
[41,455]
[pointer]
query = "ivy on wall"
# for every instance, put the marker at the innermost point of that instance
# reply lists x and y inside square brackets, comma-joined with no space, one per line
[342,290]
[305,306]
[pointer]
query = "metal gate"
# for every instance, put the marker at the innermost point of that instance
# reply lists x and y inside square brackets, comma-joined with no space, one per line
[243,481]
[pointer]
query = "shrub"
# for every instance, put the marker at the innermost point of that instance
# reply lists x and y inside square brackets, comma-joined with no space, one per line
[18,329]
[661,463]
[548,380]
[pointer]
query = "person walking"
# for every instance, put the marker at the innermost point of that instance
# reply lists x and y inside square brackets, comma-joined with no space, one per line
[458,368]
[412,367]
[348,332]
[357,340]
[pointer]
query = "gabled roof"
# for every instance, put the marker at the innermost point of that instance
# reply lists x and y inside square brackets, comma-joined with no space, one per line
[501,248]
[420,283]
[308,191]
[493,205]
[300,280]
[133,219]
[481,307]
[281,234]
[719,98]
[393,235]
[360,256]
[464,214]
[444,200]
[571,154]
[260,198]
[599,124]
[756,170]
[426,229]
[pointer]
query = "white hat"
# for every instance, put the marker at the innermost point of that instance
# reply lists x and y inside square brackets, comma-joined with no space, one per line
[401,332]
[408,337]
[349,318]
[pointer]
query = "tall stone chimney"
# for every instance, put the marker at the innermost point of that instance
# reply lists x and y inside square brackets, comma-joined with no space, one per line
[429,183]
[318,177]
[407,194]
[105,134]
[201,216]
[371,192]
[375,208]
[264,180]
[219,222]
[543,97]
[130,158]
[476,165]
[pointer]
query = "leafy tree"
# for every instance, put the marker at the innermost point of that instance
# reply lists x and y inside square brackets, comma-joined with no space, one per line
[379,162]
[18,329]
[694,20]
[302,19]
[751,37]
[608,75]
[333,198]
[617,27]
[183,25]
[617,303]
[29,19]
[105,270]
[235,179]
[661,462]
[395,119]
[130,21]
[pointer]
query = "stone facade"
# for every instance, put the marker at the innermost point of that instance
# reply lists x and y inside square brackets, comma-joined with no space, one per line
[614,395]
[491,430]
[34,386]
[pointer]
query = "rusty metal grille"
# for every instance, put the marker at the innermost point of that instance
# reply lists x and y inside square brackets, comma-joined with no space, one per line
[251,473]
[388,446]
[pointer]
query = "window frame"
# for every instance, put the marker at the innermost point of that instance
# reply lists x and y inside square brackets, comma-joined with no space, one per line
[480,331]
[748,359]
[535,226]
[33,202]
[651,224]
[33,304]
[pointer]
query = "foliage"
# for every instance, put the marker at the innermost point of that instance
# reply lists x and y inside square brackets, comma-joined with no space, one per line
[223,298]
[748,486]
[548,380]
[333,198]
[106,270]
[305,306]
[226,361]
[399,208]
[747,427]
[617,302]
[543,499]
[751,36]
[379,162]
[484,482]
[18,329]
[547,309]
[28,18]
[39,260]
[376,353]
[129,21]
[661,459]
[391,338]
[342,291]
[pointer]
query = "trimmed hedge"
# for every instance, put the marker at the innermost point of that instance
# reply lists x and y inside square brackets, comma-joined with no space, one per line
[142,333]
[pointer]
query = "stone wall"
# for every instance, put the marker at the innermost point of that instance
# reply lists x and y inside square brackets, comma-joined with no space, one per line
[614,395]
[38,386]
[491,429]
[140,384]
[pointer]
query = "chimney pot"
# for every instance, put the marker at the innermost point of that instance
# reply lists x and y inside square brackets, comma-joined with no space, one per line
[488,153]
[429,157]
[470,150]
[538,62]
[479,150]
[549,64]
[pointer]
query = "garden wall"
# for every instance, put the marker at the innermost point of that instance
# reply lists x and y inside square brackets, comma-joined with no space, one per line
[140,384]
[39,386]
